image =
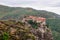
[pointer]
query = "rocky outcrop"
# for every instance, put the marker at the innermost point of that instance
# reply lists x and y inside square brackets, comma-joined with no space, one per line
[17,30]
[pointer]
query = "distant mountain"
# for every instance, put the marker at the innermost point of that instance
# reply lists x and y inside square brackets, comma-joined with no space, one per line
[17,12]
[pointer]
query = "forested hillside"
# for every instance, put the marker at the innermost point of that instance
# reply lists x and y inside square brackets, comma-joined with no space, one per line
[16,12]
[54,24]
[53,20]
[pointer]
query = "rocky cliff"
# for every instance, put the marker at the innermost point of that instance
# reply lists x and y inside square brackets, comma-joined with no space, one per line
[17,30]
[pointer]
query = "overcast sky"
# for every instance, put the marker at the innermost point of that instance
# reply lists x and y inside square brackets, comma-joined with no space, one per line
[49,5]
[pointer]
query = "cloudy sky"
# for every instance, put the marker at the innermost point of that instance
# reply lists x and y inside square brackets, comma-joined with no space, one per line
[49,5]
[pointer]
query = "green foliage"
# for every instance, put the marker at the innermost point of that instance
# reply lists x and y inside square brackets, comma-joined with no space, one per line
[5,36]
[55,26]
[56,35]
[34,24]
[17,12]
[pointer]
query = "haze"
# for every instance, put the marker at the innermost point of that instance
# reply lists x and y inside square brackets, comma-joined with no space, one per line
[49,5]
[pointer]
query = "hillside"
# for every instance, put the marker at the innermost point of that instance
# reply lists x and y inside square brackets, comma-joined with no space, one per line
[17,30]
[18,12]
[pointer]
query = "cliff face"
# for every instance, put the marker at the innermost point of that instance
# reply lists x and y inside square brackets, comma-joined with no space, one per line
[39,27]
[17,30]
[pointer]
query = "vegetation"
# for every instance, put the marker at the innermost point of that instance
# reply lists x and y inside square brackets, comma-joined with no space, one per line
[55,27]
[34,24]
[5,36]
[18,12]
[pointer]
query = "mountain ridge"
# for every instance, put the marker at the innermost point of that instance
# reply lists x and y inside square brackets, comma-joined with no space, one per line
[6,11]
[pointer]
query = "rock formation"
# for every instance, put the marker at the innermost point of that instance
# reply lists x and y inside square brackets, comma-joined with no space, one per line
[18,30]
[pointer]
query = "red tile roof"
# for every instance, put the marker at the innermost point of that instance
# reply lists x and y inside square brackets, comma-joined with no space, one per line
[38,18]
